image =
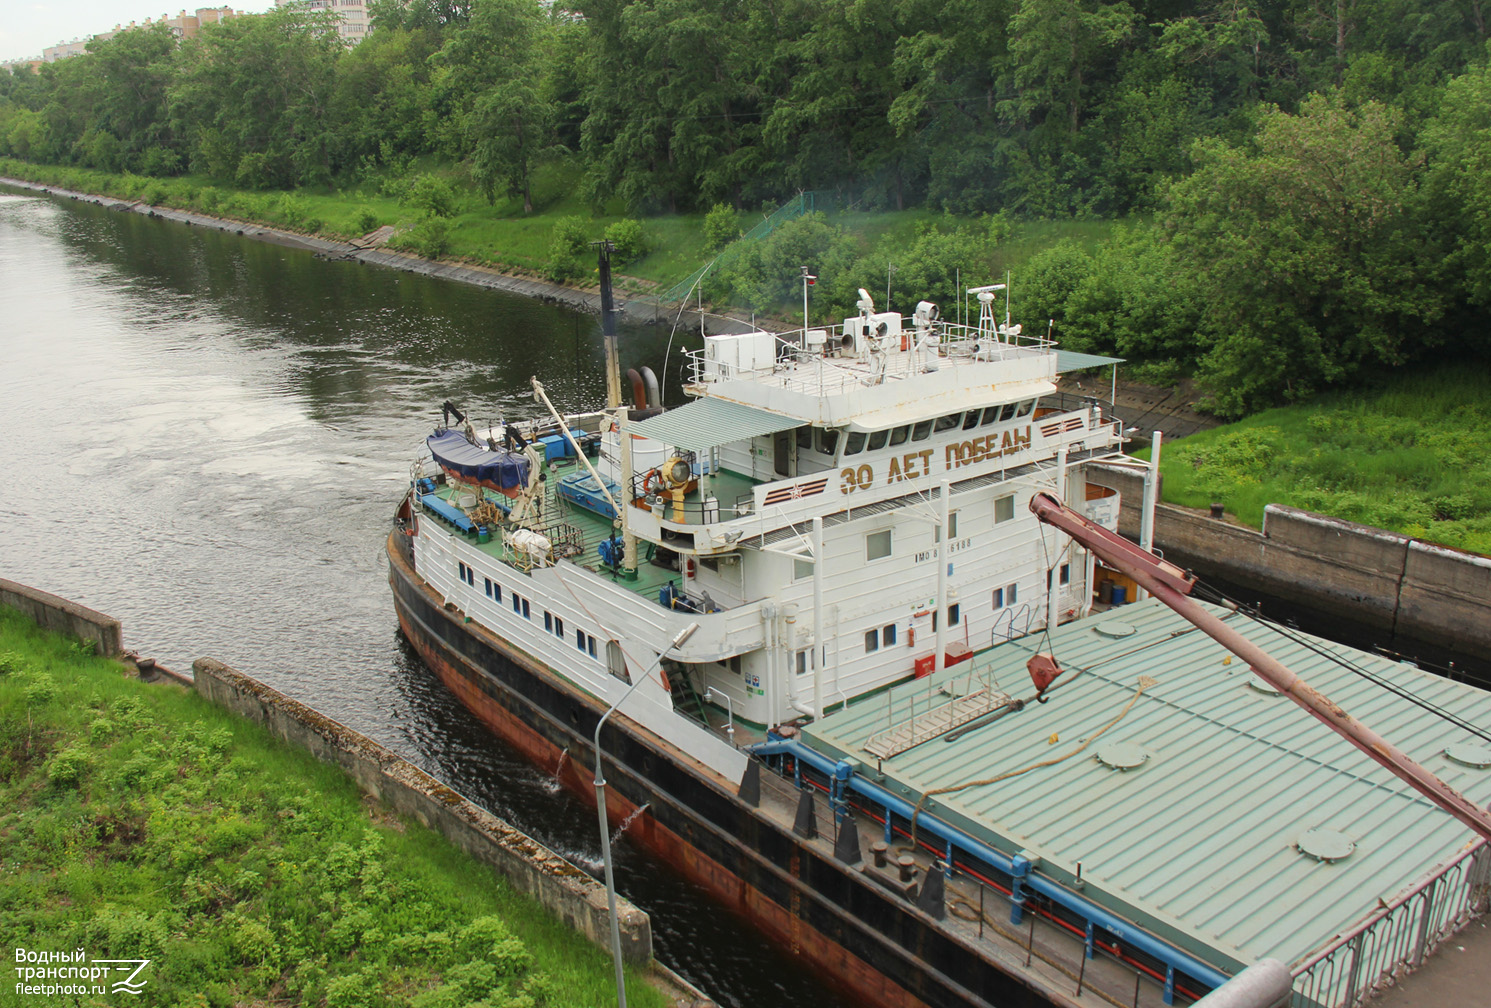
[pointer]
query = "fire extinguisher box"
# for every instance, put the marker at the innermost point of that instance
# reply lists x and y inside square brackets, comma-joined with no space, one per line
[924,665]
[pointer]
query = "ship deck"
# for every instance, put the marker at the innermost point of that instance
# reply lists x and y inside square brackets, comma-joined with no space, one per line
[1186,802]
[582,530]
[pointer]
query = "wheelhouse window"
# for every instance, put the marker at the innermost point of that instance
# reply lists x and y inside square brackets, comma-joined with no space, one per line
[899,435]
[921,430]
[948,422]
[854,442]
[877,439]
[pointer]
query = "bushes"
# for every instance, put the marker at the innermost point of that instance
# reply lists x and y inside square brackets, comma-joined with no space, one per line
[567,248]
[431,194]
[721,227]
[430,238]
[630,241]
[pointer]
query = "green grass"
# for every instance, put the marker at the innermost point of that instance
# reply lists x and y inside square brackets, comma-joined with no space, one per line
[500,235]
[140,821]
[1409,456]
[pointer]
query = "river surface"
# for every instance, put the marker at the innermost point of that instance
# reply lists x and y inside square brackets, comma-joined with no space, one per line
[204,436]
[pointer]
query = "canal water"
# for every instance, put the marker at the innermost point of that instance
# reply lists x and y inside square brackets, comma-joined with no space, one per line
[205,436]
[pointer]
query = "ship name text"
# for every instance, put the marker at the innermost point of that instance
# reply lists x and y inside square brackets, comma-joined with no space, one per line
[916,464]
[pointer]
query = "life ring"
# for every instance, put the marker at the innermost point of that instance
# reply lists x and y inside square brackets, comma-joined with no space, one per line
[647,480]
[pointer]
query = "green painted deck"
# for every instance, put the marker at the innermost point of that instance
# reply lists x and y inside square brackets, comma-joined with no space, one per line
[589,528]
[1198,842]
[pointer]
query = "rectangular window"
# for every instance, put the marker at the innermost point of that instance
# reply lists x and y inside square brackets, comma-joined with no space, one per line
[934,621]
[921,430]
[953,614]
[580,639]
[888,635]
[872,641]
[1004,509]
[998,598]
[801,569]
[558,627]
[877,439]
[804,661]
[616,662]
[525,610]
[899,435]
[1066,573]
[877,545]
[517,603]
[590,645]
[1009,594]
[487,584]
[496,592]
[548,622]
[952,528]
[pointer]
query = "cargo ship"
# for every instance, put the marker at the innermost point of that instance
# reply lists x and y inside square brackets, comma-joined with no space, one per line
[943,750]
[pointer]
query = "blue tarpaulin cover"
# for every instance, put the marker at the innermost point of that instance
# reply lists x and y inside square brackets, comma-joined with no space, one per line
[503,471]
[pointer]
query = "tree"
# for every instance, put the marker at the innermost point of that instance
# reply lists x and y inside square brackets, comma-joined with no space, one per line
[494,73]
[1458,182]
[1306,247]
[253,97]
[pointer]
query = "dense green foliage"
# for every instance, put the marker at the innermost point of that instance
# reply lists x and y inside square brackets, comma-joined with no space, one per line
[1307,183]
[138,822]
[1407,458]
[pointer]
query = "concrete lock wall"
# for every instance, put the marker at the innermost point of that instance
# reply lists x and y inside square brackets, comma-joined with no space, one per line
[1414,588]
[64,617]
[566,891]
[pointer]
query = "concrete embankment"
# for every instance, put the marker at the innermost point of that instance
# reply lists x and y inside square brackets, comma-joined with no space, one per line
[565,890]
[67,618]
[1406,586]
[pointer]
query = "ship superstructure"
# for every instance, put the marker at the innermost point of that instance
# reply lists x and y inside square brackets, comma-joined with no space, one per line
[838,511]
[844,513]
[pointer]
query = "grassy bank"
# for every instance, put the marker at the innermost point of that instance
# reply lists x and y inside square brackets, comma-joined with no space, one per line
[1407,456]
[140,822]
[501,236]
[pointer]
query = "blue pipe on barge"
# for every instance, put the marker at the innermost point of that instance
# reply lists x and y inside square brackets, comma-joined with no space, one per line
[1018,867]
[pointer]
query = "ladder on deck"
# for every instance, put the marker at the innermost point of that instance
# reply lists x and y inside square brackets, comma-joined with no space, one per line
[934,721]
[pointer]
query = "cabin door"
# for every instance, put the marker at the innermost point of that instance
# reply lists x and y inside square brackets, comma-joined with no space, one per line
[784,453]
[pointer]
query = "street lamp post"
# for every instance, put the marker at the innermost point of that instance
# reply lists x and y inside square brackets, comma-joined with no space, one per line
[605,825]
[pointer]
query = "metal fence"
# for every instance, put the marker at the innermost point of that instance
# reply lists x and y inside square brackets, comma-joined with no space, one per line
[1397,938]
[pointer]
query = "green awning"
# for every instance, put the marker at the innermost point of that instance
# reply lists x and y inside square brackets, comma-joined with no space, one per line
[1070,360]
[708,423]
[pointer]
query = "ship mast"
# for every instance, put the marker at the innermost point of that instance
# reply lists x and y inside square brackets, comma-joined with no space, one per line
[1172,586]
[608,325]
[604,248]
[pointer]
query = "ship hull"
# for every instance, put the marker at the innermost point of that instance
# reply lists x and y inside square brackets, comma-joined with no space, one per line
[878,949]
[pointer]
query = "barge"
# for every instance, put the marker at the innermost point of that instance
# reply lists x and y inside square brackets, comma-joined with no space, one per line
[873,704]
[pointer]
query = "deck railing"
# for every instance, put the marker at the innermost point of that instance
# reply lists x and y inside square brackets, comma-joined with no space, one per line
[1397,938]
[825,371]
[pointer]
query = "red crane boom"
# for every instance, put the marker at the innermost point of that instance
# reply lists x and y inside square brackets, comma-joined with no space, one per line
[1172,586]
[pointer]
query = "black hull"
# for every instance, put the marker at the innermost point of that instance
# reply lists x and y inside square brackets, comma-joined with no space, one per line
[867,940]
